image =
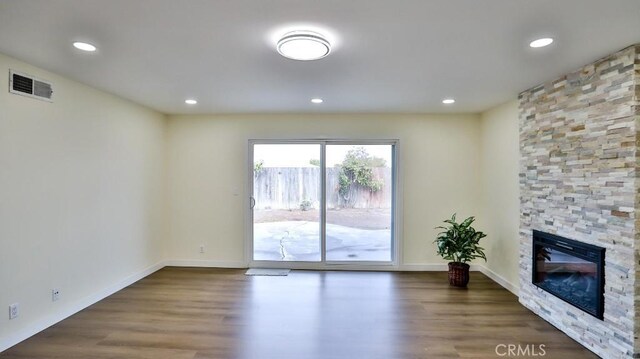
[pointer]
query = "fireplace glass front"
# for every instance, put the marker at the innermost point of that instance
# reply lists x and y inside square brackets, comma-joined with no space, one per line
[570,270]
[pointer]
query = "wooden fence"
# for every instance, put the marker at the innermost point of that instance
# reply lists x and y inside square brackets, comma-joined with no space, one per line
[288,187]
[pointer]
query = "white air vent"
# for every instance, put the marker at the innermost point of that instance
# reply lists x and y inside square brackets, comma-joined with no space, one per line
[27,85]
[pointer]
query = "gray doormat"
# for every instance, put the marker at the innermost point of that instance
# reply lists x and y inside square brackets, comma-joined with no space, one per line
[268,271]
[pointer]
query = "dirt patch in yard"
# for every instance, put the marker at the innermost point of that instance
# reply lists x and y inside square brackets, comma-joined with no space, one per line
[349,217]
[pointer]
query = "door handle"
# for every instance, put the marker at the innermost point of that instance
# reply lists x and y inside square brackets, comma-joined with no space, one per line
[252,202]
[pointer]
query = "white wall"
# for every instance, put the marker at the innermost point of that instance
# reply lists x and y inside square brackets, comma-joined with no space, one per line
[439,164]
[81,197]
[96,190]
[500,152]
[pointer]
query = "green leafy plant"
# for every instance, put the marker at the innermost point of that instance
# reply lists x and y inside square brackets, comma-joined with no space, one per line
[314,162]
[459,242]
[357,168]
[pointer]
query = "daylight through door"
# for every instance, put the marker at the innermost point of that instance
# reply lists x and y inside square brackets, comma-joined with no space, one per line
[323,202]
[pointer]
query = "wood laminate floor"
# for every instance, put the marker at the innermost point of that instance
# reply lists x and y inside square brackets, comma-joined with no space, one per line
[194,313]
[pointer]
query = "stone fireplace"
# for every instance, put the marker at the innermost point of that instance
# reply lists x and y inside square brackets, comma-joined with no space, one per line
[580,179]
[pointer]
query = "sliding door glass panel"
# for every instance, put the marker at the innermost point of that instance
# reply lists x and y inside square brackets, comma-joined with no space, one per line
[287,195]
[359,190]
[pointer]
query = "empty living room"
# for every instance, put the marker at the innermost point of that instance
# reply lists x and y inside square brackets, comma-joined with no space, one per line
[300,179]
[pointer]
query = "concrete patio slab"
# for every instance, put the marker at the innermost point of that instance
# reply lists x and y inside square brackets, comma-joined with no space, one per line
[300,241]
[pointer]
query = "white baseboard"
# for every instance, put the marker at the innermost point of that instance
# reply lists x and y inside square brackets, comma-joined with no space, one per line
[403,267]
[203,263]
[473,267]
[423,267]
[440,267]
[46,322]
[499,279]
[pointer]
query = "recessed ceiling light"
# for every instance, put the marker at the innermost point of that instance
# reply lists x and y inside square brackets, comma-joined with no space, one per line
[448,101]
[190,101]
[546,41]
[303,45]
[84,46]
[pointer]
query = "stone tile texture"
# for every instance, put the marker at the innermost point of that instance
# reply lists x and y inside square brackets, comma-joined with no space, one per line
[579,178]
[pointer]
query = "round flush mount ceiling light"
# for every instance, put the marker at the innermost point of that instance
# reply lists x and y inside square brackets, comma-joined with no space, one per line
[303,45]
[545,41]
[84,46]
[448,101]
[317,100]
[190,101]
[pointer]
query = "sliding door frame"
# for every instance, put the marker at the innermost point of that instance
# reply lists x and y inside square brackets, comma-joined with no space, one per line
[396,205]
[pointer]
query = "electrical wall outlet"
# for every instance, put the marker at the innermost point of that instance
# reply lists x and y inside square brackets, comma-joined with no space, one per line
[201,248]
[14,310]
[55,295]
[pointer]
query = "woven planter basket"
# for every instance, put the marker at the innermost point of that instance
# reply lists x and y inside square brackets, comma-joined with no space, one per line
[458,274]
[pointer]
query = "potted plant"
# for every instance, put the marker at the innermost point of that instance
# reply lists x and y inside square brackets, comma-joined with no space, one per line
[458,242]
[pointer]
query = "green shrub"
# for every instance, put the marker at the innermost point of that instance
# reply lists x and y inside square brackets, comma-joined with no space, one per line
[306,205]
[357,168]
[258,167]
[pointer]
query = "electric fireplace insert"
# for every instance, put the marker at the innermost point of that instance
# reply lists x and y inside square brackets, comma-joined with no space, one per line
[572,271]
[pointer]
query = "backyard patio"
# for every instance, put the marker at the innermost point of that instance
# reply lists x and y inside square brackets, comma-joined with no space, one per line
[294,235]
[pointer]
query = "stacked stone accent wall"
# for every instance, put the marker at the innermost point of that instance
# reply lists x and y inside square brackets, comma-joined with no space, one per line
[579,178]
[636,111]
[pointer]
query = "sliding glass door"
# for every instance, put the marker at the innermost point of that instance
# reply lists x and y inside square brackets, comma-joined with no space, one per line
[322,201]
[359,190]
[286,202]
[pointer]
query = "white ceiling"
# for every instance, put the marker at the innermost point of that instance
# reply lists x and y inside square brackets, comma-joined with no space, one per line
[389,56]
